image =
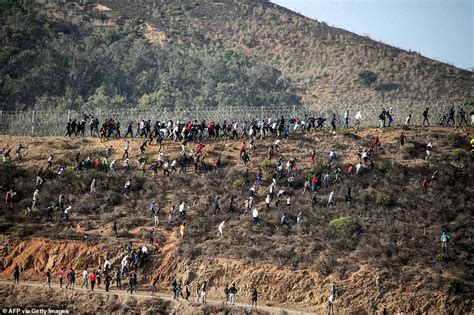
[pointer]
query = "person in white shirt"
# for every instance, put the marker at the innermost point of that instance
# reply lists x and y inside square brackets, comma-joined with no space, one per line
[408,120]
[255,215]
[221,228]
[66,212]
[268,198]
[112,165]
[92,186]
[331,198]
[85,278]
[35,198]
[358,118]
[330,305]
[173,166]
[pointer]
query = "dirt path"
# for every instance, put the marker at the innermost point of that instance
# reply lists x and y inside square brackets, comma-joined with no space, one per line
[165,297]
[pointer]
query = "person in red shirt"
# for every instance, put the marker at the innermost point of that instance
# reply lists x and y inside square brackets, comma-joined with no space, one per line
[376,140]
[61,277]
[9,198]
[314,183]
[370,150]
[92,278]
[157,246]
[217,163]
[350,169]
[424,183]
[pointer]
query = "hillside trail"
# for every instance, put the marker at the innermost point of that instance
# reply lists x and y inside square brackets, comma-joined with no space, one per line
[165,297]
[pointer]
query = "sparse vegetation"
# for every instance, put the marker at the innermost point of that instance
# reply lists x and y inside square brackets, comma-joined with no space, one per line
[384,200]
[367,77]
[195,29]
[454,285]
[237,184]
[343,223]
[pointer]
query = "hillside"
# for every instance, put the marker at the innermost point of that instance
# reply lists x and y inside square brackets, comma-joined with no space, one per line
[390,230]
[324,62]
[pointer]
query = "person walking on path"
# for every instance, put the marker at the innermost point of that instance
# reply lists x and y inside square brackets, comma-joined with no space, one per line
[48,279]
[232,293]
[85,278]
[93,279]
[254,297]
[16,274]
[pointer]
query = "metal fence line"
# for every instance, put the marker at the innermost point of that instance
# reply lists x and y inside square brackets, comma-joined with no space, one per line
[52,122]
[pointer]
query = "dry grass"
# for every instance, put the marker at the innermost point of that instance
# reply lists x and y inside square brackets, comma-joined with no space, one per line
[386,235]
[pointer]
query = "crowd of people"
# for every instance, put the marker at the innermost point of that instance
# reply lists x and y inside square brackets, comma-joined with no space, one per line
[283,177]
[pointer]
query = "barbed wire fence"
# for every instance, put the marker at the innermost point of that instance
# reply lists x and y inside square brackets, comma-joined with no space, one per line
[52,122]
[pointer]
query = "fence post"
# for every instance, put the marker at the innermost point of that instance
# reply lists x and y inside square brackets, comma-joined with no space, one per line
[33,123]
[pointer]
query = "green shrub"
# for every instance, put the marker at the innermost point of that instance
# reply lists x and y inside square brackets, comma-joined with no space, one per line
[444,257]
[343,223]
[367,77]
[454,286]
[321,165]
[389,167]
[461,154]
[384,200]
[409,149]
[267,164]
[9,171]
[114,199]
[237,184]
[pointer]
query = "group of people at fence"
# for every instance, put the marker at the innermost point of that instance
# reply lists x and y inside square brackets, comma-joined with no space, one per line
[213,130]
[280,189]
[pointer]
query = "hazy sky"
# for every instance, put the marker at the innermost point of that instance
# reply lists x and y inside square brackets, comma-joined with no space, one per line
[438,29]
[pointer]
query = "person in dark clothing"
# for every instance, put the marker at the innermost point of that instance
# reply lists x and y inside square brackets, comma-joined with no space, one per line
[107,281]
[118,279]
[402,139]
[68,129]
[232,292]
[451,116]
[333,122]
[50,213]
[314,199]
[426,117]
[117,129]
[114,229]
[143,147]
[129,130]
[348,195]
[254,297]
[174,285]
[16,274]
[48,279]
[462,117]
